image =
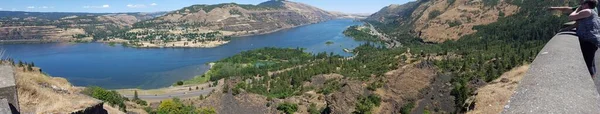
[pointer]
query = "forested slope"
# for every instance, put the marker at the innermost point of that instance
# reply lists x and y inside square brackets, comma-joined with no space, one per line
[493,49]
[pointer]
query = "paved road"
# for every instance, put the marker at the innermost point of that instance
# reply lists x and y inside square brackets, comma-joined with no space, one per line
[173,95]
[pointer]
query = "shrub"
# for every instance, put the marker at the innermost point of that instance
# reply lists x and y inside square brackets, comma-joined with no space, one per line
[288,108]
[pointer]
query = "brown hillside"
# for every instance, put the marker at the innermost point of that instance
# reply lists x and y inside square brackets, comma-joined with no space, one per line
[456,19]
[241,19]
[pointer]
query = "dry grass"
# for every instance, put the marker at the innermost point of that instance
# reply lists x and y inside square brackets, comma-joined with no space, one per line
[401,85]
[492,97]
[112,110]
[36,98]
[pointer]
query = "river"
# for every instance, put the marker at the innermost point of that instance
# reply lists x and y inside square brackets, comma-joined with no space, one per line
[115,67]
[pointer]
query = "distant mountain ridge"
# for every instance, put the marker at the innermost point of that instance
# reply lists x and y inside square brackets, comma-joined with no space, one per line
[65,26]
[242,19]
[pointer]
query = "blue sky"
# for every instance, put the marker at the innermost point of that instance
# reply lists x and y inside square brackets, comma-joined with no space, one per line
[347,6]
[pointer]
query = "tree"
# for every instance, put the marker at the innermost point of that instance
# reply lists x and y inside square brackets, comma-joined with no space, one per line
[135,95]
[169,107]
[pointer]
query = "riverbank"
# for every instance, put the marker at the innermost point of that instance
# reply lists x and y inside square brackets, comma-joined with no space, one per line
[41,41]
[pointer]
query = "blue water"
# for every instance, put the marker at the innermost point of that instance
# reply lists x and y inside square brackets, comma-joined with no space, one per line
[98,64]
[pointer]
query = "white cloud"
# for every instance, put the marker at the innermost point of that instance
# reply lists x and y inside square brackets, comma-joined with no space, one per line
[102,6]
[153,4]
[46,7]
[39,7]
[1,9]
[13,9]
[136,5]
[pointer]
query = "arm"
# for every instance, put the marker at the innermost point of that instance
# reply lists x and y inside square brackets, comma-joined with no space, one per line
[563,9]
[580,14]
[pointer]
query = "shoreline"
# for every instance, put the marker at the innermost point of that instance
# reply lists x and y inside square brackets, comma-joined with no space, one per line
[279,29]
[147,45]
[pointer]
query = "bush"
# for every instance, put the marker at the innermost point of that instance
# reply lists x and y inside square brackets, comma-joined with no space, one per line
[288,108]
[179,83]
[207,110]
[407,108]
[454,23]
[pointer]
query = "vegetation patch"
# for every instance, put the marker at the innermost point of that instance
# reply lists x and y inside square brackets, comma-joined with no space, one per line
[365,104]
[434,14]
[330,86]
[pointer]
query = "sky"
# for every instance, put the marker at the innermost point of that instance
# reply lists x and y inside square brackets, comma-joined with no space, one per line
[112,6]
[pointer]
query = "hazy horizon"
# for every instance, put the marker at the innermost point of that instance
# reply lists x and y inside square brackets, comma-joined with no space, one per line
[121,6]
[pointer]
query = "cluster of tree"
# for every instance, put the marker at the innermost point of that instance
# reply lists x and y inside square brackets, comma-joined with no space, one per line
[359,34]
[175,106]
[112,97]
[300,67]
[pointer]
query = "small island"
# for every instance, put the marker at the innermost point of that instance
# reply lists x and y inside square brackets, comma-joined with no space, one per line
[329,42]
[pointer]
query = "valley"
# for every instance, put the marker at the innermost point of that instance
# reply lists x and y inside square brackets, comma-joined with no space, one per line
[424,56]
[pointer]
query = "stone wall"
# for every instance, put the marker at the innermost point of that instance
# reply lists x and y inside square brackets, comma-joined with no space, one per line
[8,88]
[557,82]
